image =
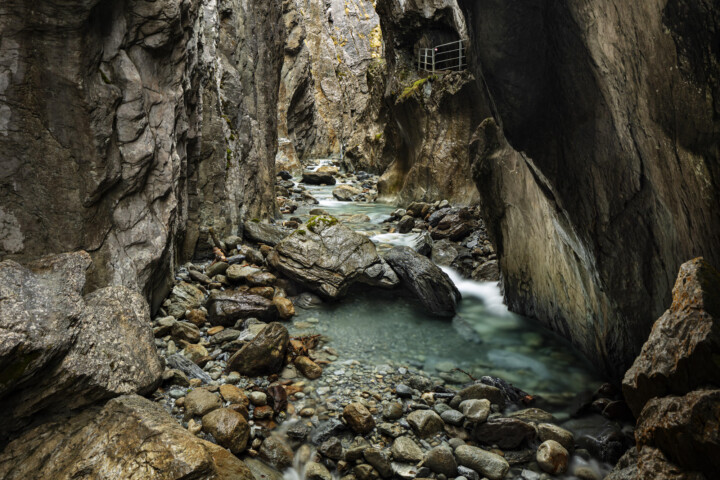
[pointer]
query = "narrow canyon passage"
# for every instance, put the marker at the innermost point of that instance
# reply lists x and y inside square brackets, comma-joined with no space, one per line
[359,239]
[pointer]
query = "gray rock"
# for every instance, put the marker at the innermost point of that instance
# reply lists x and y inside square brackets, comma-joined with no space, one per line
[328,257]
[184,296]
[425,423]
[403,391]
[345,193]
[406,224]
[468,473]
[476,411]
[188,367]
[264,354]
[225,336]
[332,448]
[227,307]
[312,178]
[441,460]
[480,391]
[483,462]
[327,429]
[276,452]
[67,351]
[404,449]
[453,417]
[356,449]
[238,273]
[317,471]
[432,287]
[200,402]
[508,433]
[265,233]
[217,268]
[379,460]
[185,331]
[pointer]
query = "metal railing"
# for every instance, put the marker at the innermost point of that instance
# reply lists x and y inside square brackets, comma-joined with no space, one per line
[448,56]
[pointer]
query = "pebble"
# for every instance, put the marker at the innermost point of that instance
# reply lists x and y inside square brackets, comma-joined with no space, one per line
[258,398]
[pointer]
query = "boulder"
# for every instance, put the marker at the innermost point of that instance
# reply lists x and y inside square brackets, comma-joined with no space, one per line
[686,429]
[228,428]
[265,233]
[509,433]
[227,307]
[650,464]
[264,354]
[683,344]
[432,287]
[485,463]
[129,437]
[345,193]
[315,178]
[358,418]
[61,351]
[406,224]
[326,256]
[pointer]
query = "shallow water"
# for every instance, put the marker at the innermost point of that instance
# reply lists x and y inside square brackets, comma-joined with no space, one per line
[484,339]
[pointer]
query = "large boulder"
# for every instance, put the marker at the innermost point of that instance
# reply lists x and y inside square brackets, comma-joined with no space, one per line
[683,349]
[686,429]
[328,257]
[345,193]
[425,280]
[265,233]
[61,351]
[129,438]
[318,178]
[227,307]
[264,354]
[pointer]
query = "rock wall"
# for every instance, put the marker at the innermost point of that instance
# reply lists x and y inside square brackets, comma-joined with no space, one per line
[615,106]
[431,118]
[128,126]
[325,89]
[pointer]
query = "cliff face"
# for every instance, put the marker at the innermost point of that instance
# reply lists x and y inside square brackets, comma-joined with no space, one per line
[324,89]
[431,118]
[126,126]
[616,106]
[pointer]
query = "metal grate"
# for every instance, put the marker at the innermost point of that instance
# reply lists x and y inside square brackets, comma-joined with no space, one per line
[448,56]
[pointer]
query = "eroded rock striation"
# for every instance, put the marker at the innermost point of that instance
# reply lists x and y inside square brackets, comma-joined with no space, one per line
[614,105]
[129,129]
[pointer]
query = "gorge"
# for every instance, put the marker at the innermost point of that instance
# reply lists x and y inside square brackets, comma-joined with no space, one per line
[260,231]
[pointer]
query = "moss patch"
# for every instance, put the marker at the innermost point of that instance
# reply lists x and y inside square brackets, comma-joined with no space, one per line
[327,220]
[415,87]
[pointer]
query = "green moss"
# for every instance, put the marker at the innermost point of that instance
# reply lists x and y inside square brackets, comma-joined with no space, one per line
[301,232]
[255,220]
[415,87]
[105,78]
[17,369]
[327,220]
[379,137]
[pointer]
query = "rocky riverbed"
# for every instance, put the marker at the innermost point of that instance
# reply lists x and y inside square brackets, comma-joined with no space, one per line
[255,362]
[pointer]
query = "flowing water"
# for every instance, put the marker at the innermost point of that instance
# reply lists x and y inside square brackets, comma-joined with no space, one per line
[386,328]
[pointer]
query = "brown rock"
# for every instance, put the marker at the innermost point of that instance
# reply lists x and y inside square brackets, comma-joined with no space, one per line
[195,352]
[683,350]
[213,330]
[196,316]
[276,452]
[264,354]
[286,309]
[261,279]
[686,429]
[507,433]
[200,402]
[308,368]
[267,292]
[552,457]
[231,393]
[263,412]
[228,427]
[358,418]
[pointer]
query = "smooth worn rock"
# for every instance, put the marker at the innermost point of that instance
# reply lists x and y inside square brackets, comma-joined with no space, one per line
[404,449]
[345,193]
[276,452]
[548,431]
[379,461]
[453,417]
[61,351]
[263,354]
[552,457]
[261,279]
[479,391]
[185,331]
[228,428]
[476,411]
[332,448]
[684,342]
[686,429]
[508,433]
[425,423]
[317,471]
[308,368]
[200,402]
[226,308]
[328,257]
[432,287]
[441,460]
[129,437]
[483,462]
[358,418]
[313,178]
[239,273]
[233,394]
[285,308]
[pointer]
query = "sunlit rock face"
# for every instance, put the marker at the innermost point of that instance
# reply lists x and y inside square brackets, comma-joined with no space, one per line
[325,87]
[431,117]
[128,127]
[615,106]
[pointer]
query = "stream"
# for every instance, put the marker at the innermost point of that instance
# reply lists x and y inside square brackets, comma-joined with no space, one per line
[384,331]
